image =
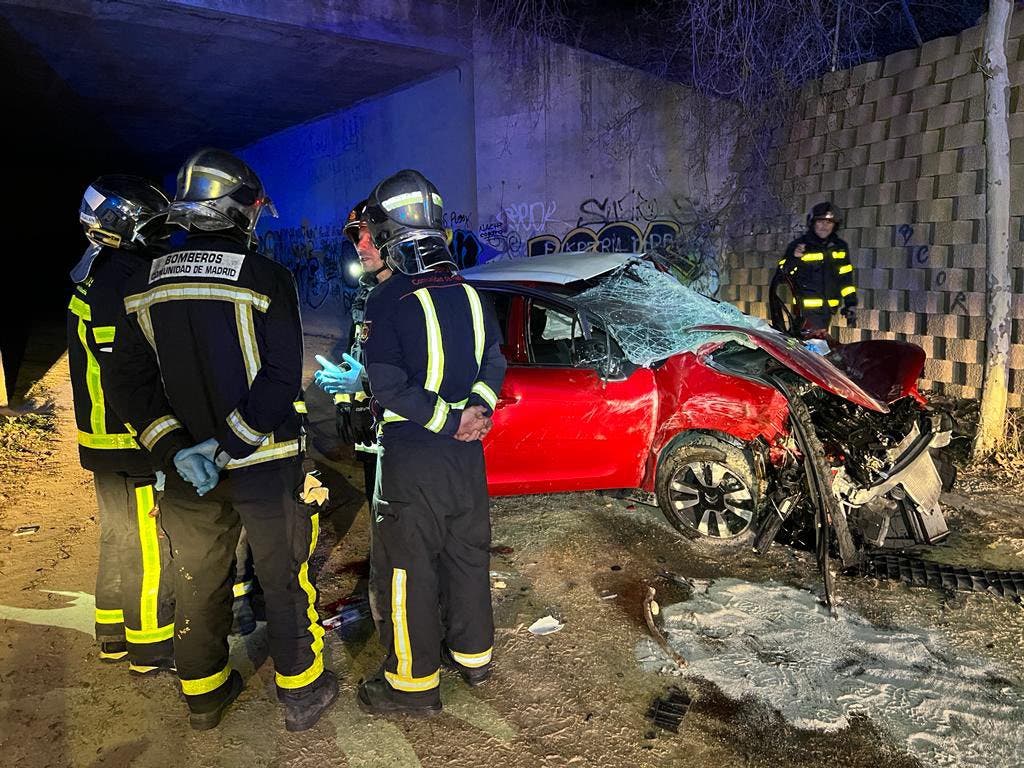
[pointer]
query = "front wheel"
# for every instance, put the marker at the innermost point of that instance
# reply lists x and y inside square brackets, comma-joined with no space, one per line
[708,490]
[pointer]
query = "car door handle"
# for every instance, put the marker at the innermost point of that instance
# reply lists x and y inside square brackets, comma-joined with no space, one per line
[505,400]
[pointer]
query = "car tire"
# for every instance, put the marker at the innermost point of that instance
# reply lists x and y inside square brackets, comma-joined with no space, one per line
[708,490]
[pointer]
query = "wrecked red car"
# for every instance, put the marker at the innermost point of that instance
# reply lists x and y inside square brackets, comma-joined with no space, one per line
[621,378]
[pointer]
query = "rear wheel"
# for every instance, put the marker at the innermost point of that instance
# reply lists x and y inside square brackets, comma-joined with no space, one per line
[708,490]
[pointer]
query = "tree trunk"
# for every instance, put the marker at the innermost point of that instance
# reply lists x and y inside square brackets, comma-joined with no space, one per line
[992,424]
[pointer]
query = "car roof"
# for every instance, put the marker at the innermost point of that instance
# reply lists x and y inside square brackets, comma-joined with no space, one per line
[553,268]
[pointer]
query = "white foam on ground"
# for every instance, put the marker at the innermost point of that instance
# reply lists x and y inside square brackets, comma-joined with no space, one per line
[778,645]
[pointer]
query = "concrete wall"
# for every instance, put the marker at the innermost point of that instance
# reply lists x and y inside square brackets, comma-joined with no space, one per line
[574,144]
[317,171]
[898,145]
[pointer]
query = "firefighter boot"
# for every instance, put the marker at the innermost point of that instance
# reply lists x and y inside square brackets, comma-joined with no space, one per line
[472,676]
[376,697]
[210,718]
[302,711]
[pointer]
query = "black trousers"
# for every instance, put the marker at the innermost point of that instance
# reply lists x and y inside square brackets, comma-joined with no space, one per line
[134,583]
[430,555]
[816,320]
[204,533]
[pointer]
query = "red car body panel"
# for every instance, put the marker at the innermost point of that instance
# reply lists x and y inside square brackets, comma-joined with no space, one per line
[810,365]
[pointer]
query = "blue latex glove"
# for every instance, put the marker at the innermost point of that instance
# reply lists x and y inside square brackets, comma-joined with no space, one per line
[196,466]
[335,380]
[161,479]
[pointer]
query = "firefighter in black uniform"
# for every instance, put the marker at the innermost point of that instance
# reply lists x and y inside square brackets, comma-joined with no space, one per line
[122,217]
[435,368]
[207,369]
[819,268]
[348,385]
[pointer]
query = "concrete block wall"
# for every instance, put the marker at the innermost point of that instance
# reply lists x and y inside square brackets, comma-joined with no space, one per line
[898,146]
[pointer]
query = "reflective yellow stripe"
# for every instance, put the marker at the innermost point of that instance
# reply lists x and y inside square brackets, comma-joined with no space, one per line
[435,346]
[104,334]
[846,268]
[782,262]
[400,624]
[848,290]
[196,292]
[268,452]
[80,308]
[812,303]
[440,416]
[833,302]
[477,311]
[413,684]
[206,684]
[473,659]
[838,254]
[242,588]
[109,616]
[300,406]
[247,340]
[157,635]
[150,546]
[107,442]
[158,429]
[97,411]
[813,257]
[317,646]
[486,393]
[243,431]
[409,198]
[390,416]
[342,398]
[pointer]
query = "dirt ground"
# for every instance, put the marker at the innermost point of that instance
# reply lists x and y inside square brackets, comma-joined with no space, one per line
[575,698]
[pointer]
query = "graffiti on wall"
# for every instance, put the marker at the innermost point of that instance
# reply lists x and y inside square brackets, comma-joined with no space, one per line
[918,258]
[319,257]
[690,251]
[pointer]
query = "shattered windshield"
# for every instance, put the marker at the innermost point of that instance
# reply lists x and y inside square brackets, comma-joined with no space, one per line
[651,314]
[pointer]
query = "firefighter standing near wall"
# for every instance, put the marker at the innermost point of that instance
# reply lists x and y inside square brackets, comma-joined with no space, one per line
[348,385]
[435,368]
[208,370]
[122,217]
[818,265]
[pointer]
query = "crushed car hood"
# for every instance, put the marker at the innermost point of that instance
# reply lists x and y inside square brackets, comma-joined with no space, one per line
[813,367]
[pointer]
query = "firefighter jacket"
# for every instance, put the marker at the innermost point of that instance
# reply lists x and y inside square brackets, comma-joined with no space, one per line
[105,443]
[823,275]
[432,347]
[209,345]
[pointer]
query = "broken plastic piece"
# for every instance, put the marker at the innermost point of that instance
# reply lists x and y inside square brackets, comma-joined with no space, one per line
[25,530]
[546,625]
[668,711]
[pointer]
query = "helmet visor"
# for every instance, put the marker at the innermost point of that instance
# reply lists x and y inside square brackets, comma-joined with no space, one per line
[202,182]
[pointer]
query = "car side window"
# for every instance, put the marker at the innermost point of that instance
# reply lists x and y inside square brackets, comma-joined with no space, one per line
[551,334]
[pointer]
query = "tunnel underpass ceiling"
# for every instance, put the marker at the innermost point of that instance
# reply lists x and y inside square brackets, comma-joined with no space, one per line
[172,76]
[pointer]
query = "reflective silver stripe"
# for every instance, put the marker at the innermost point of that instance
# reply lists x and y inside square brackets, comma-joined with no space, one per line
[146,325]
[247,340]
[435,346]
[477,311]
[486,393]
[196,291]
[160,427]
[268,453]
[243,431]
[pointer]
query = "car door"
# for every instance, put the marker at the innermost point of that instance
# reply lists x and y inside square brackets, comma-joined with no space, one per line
[559,426]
